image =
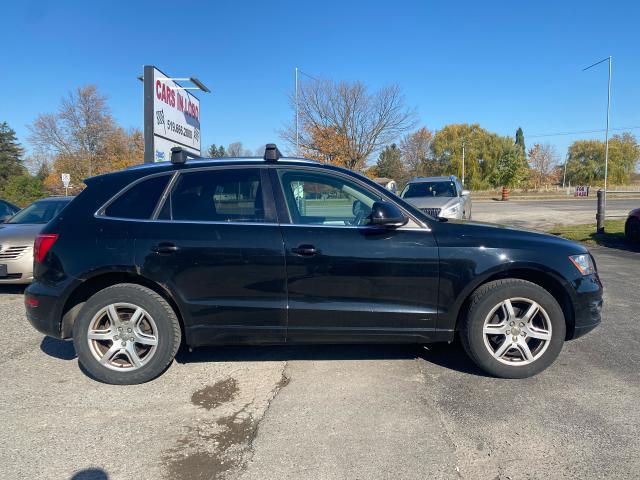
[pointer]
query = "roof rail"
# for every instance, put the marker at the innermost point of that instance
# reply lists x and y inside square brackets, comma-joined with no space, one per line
[271,153]
[179,155]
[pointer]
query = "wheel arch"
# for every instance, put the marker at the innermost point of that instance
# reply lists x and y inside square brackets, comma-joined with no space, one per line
[99,281]
[545,279]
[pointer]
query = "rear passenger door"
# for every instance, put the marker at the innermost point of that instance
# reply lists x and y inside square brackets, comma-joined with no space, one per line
[215,244]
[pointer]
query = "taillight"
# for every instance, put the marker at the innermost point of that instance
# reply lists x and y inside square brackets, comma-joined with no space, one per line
[43,243]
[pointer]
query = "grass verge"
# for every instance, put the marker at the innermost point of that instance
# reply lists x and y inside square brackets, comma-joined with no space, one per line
[613,235]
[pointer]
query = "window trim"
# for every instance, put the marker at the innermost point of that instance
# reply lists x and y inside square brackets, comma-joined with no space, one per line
[270,209]
[281,200]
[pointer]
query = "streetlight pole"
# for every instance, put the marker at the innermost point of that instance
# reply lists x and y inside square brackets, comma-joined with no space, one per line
[297,138]
[606,135]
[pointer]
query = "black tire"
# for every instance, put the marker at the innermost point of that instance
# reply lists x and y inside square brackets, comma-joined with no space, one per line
[165,321]
[632,230]
[484,300]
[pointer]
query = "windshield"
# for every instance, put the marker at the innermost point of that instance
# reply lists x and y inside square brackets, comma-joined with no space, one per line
[430,189]
[39,212]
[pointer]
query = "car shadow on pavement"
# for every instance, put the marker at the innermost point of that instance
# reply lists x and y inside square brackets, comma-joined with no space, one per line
[61,349]
[12,289]
[451,356]
[90,474]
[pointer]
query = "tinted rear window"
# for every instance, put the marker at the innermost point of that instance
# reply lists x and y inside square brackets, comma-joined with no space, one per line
[140,200]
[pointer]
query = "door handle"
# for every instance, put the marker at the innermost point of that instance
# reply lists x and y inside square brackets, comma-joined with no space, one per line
[305,250]
[164,247]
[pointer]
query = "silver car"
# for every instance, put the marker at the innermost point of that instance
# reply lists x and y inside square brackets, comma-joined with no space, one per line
[439,196]
[18,234]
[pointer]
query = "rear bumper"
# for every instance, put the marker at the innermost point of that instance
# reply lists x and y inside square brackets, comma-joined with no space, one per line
[46,317]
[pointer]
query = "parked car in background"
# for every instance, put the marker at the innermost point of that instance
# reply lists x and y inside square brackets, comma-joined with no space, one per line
[17,237]
[439,197]
[277,250]
[632,226]
[7,210]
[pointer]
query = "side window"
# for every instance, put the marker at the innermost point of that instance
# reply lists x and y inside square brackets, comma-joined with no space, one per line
[140,200]
[222,195]
[324,199]
[5,211]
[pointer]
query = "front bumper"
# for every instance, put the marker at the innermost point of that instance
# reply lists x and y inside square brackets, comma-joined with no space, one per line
[20,270]
[587,306]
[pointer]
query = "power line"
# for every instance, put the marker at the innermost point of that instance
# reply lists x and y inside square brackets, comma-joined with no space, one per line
[578,132]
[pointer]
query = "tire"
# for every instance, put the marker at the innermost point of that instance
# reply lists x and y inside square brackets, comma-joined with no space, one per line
[134,332]
[632,230]
[490,323]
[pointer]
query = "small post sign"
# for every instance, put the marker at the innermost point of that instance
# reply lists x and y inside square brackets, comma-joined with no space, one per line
[582,191]
[66,180]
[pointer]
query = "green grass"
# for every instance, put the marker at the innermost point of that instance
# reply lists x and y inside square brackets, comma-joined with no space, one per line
[613,235]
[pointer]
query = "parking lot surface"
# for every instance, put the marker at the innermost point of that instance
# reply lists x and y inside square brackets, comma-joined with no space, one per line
[328,411]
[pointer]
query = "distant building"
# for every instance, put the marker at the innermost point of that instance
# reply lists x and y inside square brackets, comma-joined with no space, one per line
[387,183]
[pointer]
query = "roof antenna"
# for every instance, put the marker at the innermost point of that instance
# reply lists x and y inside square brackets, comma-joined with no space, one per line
[271,153]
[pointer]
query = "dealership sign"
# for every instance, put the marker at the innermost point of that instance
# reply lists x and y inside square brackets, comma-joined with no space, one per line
[172,117]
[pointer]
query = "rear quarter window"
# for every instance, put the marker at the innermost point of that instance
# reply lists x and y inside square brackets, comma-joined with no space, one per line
[139,201]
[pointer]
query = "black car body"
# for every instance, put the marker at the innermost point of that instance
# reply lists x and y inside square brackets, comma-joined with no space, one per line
[7,210]
[254,272]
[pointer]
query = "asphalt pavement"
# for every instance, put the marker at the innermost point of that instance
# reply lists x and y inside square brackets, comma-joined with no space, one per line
[334,412]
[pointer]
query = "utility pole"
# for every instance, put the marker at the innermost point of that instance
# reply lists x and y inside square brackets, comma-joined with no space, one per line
[463,163]
[564,175]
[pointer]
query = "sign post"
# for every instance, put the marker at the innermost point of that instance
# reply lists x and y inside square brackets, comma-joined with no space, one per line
[171,116]
[66,180]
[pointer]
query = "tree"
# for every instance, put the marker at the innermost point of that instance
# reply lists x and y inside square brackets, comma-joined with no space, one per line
[511,166]
[390,164]
[520,142]
[10,154]
[216,152]
[585,161]
[23,189]
[542,160]
[236,149]
[349,119]
[417,154]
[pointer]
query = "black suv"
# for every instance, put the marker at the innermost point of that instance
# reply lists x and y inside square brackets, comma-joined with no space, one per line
[273,250]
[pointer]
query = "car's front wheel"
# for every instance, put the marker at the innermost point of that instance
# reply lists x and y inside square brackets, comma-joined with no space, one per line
[513,328]
[126,334]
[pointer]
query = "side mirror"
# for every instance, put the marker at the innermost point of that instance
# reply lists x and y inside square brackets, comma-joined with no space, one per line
[386,214]
[465,193]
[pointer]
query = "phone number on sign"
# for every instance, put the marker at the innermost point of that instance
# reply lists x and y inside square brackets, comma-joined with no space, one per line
[179,129]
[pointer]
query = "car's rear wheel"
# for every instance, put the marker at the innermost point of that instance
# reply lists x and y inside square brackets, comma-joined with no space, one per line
[513,328]
[126,334]
[632,230]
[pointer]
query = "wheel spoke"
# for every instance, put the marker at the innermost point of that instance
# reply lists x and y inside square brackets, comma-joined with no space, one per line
[137,316]
[132,354]
[112,313]
[144,338]
[524,349]
[109,354]
[509,309]
[531,312]
[504,348]
[100,335]
[539,333]
[495,328]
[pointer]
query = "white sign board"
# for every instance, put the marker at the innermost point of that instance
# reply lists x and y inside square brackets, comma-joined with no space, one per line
[66,180]
[176,118]
[582,191]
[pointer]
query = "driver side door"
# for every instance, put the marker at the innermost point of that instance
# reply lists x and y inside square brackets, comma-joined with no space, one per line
[348,281]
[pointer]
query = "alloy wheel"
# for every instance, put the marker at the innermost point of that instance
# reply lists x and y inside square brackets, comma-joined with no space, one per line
[517,331]
[122,336]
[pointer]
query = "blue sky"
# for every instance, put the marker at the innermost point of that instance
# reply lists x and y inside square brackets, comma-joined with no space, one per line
[501,64]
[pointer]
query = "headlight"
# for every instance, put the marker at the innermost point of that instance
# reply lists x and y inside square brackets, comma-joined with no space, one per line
[452,210]
[583,263]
